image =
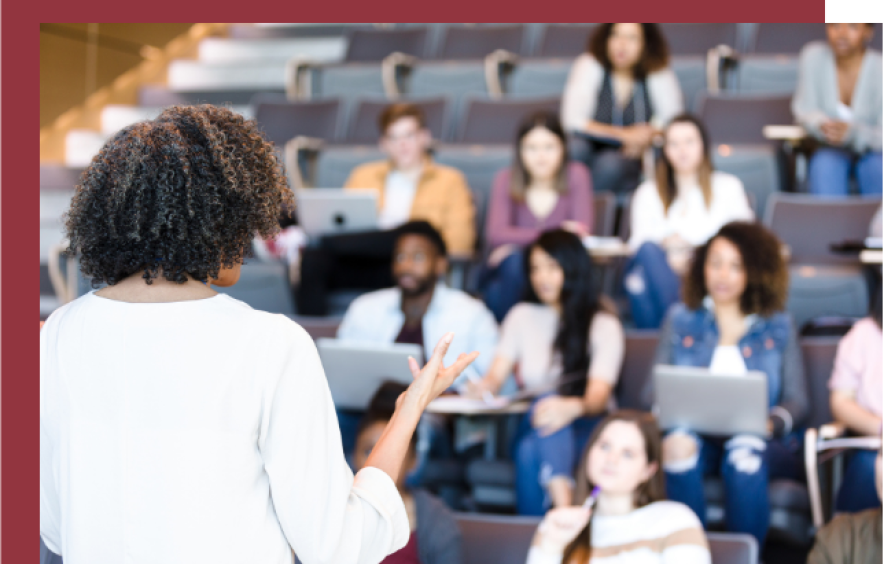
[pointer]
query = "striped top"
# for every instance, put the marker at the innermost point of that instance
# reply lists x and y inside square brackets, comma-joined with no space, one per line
[663,532]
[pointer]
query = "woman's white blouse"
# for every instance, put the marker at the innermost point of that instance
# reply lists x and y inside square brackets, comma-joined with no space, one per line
[198,431]
[688,215]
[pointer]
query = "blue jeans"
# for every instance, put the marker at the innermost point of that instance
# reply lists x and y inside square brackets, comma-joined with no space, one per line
[651,285]
[503,286]
[538,459]
[830,171]
[746,465]
[857,492]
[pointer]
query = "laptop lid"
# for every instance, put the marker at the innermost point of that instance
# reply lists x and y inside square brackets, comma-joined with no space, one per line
[355,370]
[713,404]
[327,211]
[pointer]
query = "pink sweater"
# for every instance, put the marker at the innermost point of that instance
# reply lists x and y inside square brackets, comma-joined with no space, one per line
[512,222]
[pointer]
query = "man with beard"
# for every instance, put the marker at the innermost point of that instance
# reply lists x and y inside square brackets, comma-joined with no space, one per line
[419,309]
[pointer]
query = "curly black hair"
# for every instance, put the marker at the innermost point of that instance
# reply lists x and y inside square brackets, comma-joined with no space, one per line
[182,195]
[767,276]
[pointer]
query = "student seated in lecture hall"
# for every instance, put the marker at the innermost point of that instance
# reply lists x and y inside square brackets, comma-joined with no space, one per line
[856,389]
[733,320]
[542,190]
[435,536]
[838,101]
[619,95]
[630,522]
[410,186]
[568,346]
[419,309]
[686,203]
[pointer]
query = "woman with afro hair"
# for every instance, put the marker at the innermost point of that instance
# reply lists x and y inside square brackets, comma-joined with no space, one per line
[176,423]
[732,321]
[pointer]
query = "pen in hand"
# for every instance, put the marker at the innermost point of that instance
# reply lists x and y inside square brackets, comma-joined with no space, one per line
[487,396]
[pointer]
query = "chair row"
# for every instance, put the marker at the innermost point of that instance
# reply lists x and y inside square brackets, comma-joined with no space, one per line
[461,41]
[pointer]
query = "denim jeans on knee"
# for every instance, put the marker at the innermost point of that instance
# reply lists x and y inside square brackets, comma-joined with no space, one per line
[504,285]
[743,462]
[857,491]
[831,169]
[539,458]
[651,285]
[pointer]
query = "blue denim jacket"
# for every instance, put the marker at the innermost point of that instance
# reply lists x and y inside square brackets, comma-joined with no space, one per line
[770,345]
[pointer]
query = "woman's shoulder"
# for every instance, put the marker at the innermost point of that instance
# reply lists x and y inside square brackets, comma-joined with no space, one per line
[646,192]
[816,50]
[577,171]
[725,181]
[607,321]
[672,515]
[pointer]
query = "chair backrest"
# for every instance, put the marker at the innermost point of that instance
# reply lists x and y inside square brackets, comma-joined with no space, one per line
[375,44]
[347,81]
[490,121]
[832,221]
[604,209]
[564,40]
[159,95]
[475,42]
[318,327]
[691,74]
[733,548]
[757,168]
[740,119]
[791,37]
[282,120]
[499,539]
[638,360]
[479,164]
[769,75]
[264,286]
[819,359]
[538,77]
[698,38]
[364,123]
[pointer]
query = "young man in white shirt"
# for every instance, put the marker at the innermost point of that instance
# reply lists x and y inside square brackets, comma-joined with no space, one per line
[416,310]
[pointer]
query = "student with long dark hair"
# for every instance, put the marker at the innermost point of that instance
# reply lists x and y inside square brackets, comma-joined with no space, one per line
[684,205]
[733,321]
[619,94]
[542,190]
[631,522]
[569,349]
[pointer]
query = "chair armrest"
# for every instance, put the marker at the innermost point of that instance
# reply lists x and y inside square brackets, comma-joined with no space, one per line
[718,58]
[293,148]
[832,430]
[496,64]
[390,68]
[298,84]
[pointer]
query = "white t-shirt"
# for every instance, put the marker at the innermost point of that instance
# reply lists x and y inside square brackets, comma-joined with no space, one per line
[688,215]
[198,431]
[727,361]
[663,532]
[398,196]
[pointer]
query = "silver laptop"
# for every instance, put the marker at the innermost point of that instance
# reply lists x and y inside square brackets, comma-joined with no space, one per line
[355,370]
[712,404]
[327,211]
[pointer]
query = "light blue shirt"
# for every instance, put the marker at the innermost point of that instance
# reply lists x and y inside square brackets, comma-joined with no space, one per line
[377,317]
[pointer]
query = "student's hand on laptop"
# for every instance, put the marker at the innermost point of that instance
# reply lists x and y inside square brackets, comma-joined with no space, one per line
[434,378]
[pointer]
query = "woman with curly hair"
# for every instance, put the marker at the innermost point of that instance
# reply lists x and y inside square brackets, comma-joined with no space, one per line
[176,423]
[733,321]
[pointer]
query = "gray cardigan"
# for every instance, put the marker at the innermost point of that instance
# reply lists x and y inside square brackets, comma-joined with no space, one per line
[438,536]
[816,97]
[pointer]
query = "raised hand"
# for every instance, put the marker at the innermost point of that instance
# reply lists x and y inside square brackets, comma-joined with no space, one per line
[434,378]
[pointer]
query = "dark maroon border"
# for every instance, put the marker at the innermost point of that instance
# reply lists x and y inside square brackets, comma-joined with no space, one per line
[20,173]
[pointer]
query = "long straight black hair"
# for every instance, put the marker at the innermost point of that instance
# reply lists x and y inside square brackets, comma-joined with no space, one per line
[579,301]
